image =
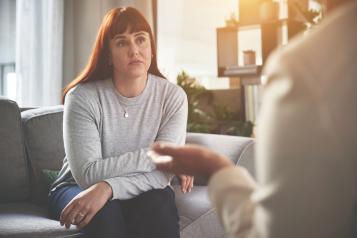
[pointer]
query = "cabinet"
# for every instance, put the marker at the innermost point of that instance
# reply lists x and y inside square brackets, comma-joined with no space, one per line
[273,33]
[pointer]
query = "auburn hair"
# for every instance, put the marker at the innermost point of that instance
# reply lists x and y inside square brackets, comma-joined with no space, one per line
[116,21]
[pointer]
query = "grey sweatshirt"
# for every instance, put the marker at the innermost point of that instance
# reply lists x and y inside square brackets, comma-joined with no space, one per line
[103,145]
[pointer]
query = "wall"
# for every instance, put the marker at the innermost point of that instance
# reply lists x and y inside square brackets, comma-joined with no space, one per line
[187,38]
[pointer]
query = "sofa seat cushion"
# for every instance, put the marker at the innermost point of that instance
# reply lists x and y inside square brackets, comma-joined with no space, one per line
[29,220]
[197,216]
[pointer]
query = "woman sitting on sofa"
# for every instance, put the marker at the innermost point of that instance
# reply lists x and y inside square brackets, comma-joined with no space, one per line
[113,111]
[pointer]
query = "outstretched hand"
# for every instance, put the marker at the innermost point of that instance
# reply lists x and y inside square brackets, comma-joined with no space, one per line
[189,159]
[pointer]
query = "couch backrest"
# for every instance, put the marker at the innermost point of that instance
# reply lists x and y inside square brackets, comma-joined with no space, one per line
[239,149]
[14,174]
[44,145]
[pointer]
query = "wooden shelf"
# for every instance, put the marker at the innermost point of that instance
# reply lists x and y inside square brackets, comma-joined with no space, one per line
[259,23]
[240,71]
[273,33]
[251,81]
[271,37]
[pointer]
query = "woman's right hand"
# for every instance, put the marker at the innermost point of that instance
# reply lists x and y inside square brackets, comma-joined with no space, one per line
[82,208]
[186,183]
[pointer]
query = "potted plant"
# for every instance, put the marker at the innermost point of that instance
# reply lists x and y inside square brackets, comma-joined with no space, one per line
[198,119]
[206,117]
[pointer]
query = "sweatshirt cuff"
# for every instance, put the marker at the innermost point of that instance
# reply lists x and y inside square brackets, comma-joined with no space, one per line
[237,178]
[114,190]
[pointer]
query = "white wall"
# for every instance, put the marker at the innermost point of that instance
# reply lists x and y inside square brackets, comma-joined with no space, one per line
[187,38]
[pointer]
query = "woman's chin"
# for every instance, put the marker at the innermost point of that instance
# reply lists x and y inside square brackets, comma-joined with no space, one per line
[137,72]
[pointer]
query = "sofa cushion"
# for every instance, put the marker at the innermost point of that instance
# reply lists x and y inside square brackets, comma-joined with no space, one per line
[239,149]
[44,146]
[14,174]
[247,158]
[197,216]
[29,220]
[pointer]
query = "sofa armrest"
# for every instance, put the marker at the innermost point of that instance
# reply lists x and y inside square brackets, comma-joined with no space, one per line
[239,149]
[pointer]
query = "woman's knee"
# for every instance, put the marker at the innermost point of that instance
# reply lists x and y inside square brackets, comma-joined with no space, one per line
[109,213]
[159,206]
[153,214]
[158,197]
[108,222]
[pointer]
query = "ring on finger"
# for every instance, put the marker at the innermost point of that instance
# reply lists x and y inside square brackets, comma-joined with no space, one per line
[80,217]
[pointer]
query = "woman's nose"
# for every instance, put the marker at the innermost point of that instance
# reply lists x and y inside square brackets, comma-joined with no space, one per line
[133,49]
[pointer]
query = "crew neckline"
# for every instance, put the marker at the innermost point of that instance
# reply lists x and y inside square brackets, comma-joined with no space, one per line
[132,100]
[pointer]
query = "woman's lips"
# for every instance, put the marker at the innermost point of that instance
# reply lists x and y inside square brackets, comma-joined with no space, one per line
[135,62]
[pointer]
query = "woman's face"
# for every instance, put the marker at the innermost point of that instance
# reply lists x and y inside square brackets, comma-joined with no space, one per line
[130,54]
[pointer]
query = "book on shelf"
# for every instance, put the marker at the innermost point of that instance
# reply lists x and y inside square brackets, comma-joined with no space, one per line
[247,70]
[253,100]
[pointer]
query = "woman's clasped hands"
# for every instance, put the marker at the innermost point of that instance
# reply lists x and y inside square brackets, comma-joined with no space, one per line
[82,208]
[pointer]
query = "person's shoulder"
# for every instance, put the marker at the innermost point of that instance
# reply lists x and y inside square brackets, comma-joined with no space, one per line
[167,86]
[86,90]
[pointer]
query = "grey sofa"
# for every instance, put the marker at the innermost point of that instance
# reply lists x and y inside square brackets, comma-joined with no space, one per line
[31,141]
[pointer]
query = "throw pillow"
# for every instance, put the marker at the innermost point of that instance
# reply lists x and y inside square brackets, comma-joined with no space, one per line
[49,177]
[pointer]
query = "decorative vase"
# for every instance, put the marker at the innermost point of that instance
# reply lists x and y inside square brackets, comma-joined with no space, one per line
[249,57]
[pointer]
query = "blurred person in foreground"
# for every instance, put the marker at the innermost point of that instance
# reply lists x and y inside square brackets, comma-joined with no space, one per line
[306,143]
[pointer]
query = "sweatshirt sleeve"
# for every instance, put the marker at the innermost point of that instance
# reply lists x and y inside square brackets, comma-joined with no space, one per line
[130,186]
[230,191]
[83,145]
[174,121]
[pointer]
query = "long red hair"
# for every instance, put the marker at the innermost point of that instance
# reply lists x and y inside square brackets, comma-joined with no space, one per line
[116,21]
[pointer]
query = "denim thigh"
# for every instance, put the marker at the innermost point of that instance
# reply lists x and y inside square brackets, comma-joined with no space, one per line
[59,199]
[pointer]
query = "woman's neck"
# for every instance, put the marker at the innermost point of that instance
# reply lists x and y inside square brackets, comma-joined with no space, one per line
[130,87]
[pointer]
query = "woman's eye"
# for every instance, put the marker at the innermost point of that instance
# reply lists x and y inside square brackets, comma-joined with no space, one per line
[121,43]
[141,39]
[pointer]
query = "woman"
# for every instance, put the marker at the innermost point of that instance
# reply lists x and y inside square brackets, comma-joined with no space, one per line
[114,110]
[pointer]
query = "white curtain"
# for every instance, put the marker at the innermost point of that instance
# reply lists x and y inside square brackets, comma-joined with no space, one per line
[39,52]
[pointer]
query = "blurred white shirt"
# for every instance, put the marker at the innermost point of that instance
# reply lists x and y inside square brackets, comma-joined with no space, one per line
[307,142]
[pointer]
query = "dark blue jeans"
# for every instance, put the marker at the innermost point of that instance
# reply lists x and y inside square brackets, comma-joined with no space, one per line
[151,214]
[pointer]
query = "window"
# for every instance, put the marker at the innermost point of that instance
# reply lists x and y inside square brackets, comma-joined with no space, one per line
[7,48]
[8,80]
[187,38]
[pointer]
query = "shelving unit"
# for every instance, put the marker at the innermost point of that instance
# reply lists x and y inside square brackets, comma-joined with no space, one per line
[272,34]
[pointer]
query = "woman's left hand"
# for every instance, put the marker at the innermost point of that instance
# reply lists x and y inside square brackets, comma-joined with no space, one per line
[82,208]
[186,182]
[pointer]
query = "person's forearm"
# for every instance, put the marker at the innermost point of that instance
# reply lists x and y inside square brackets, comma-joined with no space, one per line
[216,162]
[92,171]
[131,186]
